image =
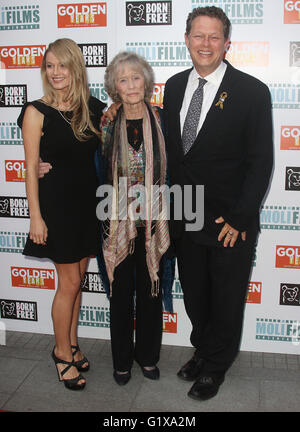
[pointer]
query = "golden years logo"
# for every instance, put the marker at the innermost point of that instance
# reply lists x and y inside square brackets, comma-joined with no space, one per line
[158,94]
[15,170]
[22,56]
[169,322]
[288,257]
[254,292]
[82,15]
[291,11]
[244,53]
[290,138]
[25,277]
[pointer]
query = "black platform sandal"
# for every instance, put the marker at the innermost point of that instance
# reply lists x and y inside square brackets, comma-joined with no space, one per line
[72,383]
[79,364]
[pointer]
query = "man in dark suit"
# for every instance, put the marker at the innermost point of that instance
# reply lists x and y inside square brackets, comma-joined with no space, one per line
[231,154]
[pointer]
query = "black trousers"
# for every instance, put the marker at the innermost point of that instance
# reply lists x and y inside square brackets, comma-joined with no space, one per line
[131,273]
[214,281]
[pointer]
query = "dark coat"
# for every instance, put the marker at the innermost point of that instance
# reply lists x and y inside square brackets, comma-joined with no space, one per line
[232,155]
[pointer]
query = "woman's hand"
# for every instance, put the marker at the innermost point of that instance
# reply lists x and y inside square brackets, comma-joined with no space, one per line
[111,112]
[44,168]
[38,231]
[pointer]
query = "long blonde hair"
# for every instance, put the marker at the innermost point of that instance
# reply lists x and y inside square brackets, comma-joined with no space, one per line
[69,54]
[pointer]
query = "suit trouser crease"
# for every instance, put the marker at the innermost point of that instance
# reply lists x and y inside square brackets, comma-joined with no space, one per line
[214,281]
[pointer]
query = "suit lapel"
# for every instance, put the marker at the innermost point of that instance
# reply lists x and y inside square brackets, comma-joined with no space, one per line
[212,115]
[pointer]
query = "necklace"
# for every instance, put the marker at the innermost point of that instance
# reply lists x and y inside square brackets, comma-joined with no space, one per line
[65,119]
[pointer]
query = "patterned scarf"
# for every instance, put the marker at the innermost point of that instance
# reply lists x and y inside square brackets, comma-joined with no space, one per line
[119,234]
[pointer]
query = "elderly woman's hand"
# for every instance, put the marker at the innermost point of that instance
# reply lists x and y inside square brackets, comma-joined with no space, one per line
[44,168]
[111,112]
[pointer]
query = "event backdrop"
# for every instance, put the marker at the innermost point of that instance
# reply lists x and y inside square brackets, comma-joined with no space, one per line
[265,43]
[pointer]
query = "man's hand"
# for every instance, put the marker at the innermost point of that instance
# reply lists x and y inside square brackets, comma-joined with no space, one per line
[228,233]
[44,168]
[111,113]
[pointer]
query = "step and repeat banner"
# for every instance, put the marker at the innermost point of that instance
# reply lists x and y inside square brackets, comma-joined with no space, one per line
[265,43]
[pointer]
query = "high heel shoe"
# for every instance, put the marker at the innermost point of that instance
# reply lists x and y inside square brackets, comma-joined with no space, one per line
[79,364]
[72,383]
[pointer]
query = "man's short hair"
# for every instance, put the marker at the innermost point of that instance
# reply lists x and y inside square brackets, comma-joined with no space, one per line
[212,12]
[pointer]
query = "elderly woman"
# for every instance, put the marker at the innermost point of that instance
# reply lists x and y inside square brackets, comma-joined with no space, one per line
[133,246]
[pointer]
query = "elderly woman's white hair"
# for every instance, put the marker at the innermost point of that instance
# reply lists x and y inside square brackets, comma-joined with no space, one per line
[136,62]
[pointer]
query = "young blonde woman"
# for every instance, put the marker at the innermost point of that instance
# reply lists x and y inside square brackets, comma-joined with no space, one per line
[62,129]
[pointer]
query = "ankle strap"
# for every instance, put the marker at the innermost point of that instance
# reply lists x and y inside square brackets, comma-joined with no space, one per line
[70,364]
[76,348]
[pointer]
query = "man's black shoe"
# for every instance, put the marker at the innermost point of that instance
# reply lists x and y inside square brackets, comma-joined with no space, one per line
[205,387]
[191,370]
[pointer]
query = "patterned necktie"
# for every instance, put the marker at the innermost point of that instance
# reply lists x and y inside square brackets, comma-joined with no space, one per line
[189,132]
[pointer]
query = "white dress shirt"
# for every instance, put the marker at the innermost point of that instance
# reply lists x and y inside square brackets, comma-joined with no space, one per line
[209,92]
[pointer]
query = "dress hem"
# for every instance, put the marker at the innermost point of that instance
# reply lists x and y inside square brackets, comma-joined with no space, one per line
[62,260]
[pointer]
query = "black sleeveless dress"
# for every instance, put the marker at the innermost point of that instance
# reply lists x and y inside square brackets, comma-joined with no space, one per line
[67,194]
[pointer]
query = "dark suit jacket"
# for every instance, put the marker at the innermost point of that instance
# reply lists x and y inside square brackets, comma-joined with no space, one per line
[232,155]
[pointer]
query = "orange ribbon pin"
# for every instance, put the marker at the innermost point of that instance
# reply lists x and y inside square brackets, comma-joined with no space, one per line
[222,98]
